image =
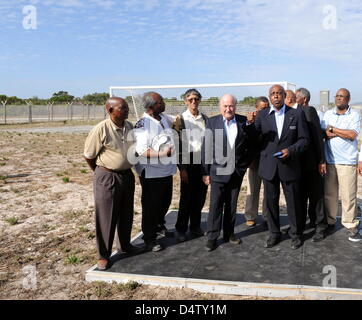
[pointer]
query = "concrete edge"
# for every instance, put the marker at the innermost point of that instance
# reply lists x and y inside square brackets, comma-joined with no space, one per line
[229,287]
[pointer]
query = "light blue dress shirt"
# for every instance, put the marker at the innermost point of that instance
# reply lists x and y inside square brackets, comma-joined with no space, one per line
[339,150]
[279,118]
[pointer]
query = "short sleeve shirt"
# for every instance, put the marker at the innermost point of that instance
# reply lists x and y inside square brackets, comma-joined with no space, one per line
[109,145]
[147,133]
[339,150]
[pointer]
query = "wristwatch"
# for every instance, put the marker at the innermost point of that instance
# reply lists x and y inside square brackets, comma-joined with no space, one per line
[330,129]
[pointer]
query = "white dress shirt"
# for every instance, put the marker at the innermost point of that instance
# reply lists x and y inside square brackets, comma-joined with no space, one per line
[231,130]
[279,118]
[195,130]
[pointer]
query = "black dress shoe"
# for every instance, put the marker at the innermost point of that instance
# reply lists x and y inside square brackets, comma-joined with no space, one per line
[271,242]
[181,237]
[318,236]
[296,243]
[210,245]
[132,249]
[233,239]
[197,232]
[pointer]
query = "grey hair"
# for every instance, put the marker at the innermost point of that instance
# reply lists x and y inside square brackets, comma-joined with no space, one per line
[147,100]
[305,93]
[235,101]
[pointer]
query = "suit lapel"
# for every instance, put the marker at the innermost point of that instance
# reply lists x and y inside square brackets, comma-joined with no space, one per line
[272,122]
[288,118]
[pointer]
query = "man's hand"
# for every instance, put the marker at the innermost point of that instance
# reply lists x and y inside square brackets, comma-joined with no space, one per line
[322,168]
[359,168]
[166,152]
[329,134]
[206,180]
[251,116]
[285,154]
[184,176]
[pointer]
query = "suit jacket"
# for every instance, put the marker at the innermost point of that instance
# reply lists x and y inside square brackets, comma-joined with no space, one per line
[219,160]
[314,155]
[294,137]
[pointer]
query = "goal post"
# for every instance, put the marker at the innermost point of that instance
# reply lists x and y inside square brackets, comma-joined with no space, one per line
[245,93]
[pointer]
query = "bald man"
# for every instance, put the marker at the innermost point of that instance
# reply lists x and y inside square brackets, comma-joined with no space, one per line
[284,138]
[105,151]
[225,158]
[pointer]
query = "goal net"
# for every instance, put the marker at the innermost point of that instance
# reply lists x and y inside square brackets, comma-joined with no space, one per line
[246,93]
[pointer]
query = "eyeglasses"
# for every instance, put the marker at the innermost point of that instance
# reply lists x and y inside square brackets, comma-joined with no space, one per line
[193,99]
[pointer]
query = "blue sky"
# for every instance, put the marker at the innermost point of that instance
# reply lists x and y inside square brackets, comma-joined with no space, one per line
[86,46]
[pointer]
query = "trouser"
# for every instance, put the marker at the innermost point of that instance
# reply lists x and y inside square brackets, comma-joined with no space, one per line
[192,199]
[156,199]
[312,190]
[292,197]
[113,195]
[223,198]
[253,195]
[341,180]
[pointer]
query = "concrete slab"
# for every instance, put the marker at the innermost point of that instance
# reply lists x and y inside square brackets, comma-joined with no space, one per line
[330,269]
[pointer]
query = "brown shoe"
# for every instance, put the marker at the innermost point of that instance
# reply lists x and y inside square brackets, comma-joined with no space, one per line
[250,223]
[102,264]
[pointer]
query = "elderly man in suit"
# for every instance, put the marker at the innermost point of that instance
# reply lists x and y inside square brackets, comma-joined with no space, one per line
[313,169]
[284,138]
[225,158]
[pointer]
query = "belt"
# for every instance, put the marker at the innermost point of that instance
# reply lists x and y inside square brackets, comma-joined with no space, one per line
[114,171]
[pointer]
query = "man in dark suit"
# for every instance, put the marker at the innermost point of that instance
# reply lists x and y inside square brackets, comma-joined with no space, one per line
[313,169]
[225,160]
[284,138]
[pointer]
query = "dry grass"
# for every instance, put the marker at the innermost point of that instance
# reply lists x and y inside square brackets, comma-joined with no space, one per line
[47,223]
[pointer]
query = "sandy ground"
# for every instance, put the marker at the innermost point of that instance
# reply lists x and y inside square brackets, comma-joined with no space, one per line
[46,220]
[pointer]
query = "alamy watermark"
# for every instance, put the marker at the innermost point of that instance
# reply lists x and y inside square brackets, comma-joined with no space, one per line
[30,21]
[330,280]
[30,279]
[330,19]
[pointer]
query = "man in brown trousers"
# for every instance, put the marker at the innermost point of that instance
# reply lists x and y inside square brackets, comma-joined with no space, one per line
[105,151]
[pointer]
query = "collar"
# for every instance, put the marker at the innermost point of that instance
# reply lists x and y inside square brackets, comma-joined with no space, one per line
[280,112]
[146,115]
[115,127]
[294,106]
[233,120]
[347,112]
[190,115]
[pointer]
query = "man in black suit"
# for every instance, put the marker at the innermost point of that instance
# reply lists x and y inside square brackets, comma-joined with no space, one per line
[313,169]
[225,160]
[284,138]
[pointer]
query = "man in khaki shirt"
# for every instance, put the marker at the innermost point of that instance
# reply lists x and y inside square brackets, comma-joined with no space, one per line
[106,149]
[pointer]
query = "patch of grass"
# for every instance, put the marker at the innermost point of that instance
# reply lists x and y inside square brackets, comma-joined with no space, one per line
[72,259]
[2,163]
[83,229]
[83,171]
[91,235]
[3,177]
[12,221]
[128,286]
[66,179]
[15,190]
[101,289]
[74,214]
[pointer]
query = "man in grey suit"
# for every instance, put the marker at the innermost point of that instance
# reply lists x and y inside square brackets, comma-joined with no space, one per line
[225,158]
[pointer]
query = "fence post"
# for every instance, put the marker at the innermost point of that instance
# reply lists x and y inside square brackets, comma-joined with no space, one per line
[30,105]
[4,104]
[70,107]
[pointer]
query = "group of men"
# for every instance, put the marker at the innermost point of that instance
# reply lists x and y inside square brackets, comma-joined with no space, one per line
[283,141]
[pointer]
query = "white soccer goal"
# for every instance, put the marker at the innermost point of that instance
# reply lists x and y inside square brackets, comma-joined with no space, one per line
[172,94]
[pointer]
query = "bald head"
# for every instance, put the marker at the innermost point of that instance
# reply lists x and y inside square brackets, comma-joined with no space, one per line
[115,102]
[228,106]
[277,96]
[290,98]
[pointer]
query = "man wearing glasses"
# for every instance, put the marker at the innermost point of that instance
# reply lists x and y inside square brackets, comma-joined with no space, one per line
[342,126]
